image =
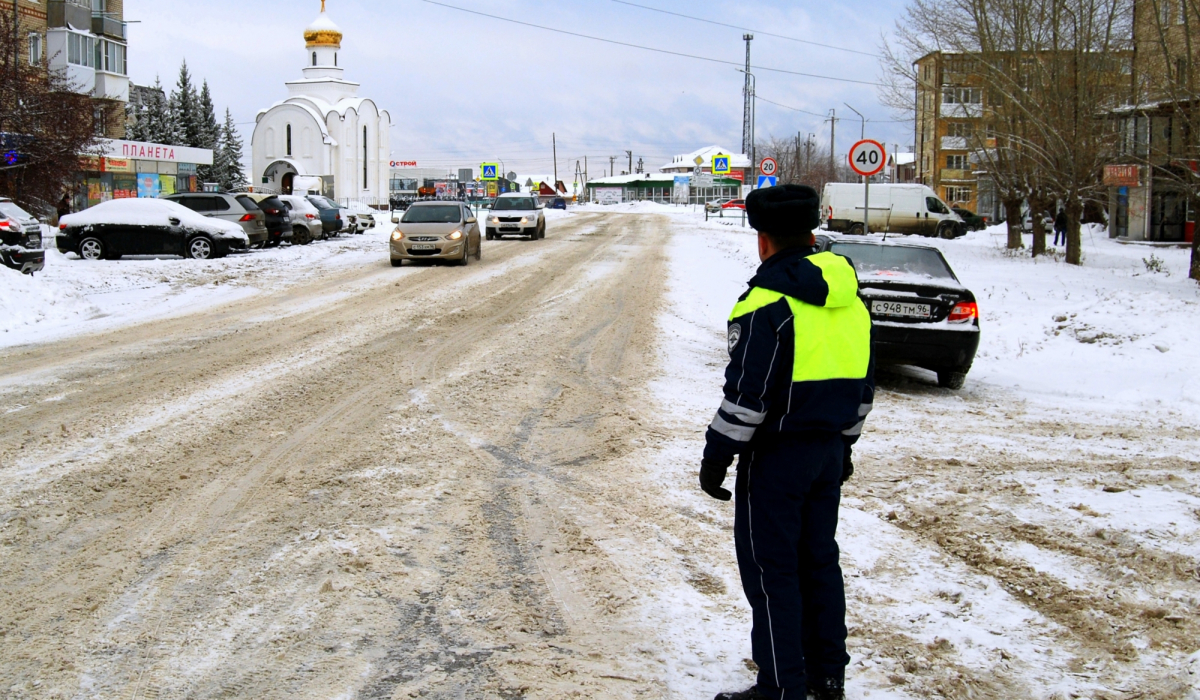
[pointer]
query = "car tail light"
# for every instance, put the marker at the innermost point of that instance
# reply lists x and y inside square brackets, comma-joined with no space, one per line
[62,227]
[309,216]
[247,217]
[963,312]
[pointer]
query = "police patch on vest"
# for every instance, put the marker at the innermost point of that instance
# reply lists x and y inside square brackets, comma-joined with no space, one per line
[735,334]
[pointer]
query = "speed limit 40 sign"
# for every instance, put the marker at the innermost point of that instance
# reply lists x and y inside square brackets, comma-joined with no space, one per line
[867,157]
[768,166]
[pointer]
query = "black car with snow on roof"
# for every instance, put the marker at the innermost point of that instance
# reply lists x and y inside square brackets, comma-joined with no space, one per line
[20,239]
[147,227]
[923,315]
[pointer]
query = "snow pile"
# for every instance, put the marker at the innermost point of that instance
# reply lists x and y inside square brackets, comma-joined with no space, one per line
[27,300]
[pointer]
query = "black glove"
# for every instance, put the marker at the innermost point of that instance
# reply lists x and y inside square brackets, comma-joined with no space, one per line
[847,466]
[712,473]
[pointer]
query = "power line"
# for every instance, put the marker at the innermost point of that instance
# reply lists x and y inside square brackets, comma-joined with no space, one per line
[794,109]
[649,48]
[747,29]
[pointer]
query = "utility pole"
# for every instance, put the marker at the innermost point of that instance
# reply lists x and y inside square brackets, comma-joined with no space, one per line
[832,140]
[630,154]
[585,169]
[747,134]
[612,164]
[554,144]
[641,166]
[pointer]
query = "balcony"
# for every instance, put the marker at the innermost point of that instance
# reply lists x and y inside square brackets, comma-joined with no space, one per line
[65,13]
[958,110]
[954,143]
[109,27]
[953,175]
[111,86]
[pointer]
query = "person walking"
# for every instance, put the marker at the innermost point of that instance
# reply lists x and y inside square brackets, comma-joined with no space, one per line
[798,387]
[1060,226]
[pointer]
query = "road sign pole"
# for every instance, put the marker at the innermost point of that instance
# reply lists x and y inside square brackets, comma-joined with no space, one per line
[866,205]
[867,157]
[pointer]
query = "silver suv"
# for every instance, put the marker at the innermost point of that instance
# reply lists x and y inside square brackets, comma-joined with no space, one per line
[516,214]
[236,208]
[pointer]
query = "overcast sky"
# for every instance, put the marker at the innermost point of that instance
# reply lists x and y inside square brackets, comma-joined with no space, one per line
[464,88]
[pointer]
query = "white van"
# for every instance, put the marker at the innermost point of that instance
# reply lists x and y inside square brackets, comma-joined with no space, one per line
[894,208]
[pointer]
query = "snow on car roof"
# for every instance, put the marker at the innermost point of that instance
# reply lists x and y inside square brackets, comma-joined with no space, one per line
[148,212]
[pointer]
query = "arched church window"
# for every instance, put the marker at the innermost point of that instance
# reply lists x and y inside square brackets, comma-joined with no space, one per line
[289,140]
[314,58]
[335,59]
[365,185]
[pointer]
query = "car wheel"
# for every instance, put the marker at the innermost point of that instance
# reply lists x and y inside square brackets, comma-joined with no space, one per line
[946,230]
[397,262]
[466,257]
[856,230]
[92,248]
[201,248]
[542,230]
[299,235]
[479,252]
[950,379]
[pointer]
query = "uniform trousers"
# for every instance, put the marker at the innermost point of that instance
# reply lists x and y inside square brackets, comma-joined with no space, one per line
[788,491]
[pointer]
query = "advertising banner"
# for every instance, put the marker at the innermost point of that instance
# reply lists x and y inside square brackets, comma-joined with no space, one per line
[610,195]
[147,185]
[1122,176]
[166,184]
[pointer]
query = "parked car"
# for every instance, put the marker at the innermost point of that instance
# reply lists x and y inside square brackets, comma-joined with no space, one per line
[923,315]
[278,219]
[910,209]
[305,219]
[147,227]
[714,206]
[235,208]
[436,231]
[971,220]
[331,214]
[516,214]
[20,239]
[1047,223]
[366,221]
[557,203]
[735,204]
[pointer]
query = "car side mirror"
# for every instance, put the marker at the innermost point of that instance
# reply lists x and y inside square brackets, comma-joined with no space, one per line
[395,218]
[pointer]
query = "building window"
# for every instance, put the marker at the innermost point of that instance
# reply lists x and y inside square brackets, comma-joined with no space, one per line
[958,195]
[81,50]
[956,162]
[35,49]
[965,96]
[314,58]
[289,140]
[365,185]
[110,57]
[99,120]
[335,59]
[959,129]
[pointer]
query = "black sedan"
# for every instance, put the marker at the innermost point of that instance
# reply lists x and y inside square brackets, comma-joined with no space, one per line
[20,239]
[923,316]
[146,227]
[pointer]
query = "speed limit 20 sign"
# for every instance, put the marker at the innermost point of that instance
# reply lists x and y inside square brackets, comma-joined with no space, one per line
[768,166]
[867,157]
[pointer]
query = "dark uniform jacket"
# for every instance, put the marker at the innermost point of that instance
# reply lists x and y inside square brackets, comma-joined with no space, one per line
[800,357]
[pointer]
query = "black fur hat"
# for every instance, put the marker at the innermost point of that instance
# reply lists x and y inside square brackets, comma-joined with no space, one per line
[784,210]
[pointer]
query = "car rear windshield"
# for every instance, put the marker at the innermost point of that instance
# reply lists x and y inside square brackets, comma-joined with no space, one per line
[321,203]
[884,261]
[12,211]
[247,203]
[515,204]
[435,214]
[270,203]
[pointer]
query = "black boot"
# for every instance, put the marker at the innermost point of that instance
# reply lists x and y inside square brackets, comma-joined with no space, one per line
[749,694]
[828,689]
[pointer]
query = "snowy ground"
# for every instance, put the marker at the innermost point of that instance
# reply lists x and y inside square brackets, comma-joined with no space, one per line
[481,482]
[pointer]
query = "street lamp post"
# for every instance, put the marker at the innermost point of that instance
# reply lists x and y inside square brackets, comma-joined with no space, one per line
[866,180]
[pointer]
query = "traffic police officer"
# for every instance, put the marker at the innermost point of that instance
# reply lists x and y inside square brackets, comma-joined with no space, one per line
[798,388]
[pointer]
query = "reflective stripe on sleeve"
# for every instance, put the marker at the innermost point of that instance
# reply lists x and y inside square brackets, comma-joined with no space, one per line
[856,430]
[864,409]
[742,413]
[739,433]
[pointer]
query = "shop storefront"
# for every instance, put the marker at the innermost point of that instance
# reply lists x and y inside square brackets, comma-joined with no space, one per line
[133,169]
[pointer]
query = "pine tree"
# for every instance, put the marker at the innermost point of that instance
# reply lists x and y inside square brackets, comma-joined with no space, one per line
[210,132]
[231,156]
[159,125]
[185,111]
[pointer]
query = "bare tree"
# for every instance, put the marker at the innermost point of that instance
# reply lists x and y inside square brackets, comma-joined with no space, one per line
[45,124]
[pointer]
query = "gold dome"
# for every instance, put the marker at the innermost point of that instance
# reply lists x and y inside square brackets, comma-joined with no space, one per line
[323,32]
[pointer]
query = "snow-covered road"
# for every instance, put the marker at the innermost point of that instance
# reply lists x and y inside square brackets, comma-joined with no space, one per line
[299,472]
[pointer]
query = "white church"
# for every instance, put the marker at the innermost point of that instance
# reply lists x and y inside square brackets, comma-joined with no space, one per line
[323,137]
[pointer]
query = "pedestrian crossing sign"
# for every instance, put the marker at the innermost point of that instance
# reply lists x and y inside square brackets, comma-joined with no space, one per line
[489,171]
[720,164]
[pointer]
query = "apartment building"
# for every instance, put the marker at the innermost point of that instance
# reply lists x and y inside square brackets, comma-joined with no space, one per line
[87,40]
[950,103]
